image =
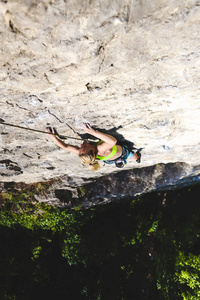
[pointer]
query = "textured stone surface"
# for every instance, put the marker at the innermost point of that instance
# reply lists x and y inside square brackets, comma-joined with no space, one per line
[128,67]
[123,185]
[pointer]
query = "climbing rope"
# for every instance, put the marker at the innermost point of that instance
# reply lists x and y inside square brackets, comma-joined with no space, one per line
[63,137]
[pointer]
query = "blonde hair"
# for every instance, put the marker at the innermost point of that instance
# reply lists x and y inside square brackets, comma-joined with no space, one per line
[89,159]
[94,166]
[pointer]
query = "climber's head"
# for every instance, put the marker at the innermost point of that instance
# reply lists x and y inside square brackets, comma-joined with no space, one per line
[87,155]
[86,147]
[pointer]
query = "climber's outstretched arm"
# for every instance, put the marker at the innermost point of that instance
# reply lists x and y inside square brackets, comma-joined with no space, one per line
[61,144]
[109,140]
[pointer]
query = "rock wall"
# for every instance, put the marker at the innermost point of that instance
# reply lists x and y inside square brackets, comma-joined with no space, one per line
[128,67]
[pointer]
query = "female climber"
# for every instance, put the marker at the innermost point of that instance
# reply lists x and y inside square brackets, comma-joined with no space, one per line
[106,149]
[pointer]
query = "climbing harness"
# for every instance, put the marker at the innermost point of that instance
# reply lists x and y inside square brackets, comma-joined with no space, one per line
[121,161]
[63,137]
[127,152]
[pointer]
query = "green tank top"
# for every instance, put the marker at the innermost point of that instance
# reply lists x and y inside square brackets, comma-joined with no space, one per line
[114,151]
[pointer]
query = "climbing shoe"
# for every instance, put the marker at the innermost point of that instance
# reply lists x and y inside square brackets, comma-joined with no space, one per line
[139,157]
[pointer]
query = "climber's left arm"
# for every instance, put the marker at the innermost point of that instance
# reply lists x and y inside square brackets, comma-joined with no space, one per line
[108,139]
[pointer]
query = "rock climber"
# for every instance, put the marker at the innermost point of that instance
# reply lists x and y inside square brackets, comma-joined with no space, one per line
[106,149]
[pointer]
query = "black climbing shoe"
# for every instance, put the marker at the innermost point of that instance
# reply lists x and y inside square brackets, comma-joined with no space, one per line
[139,157]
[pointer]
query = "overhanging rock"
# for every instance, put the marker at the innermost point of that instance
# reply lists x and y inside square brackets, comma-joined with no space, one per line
[125,184]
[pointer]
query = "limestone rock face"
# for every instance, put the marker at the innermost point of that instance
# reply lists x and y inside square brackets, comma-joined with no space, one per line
[130,68]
